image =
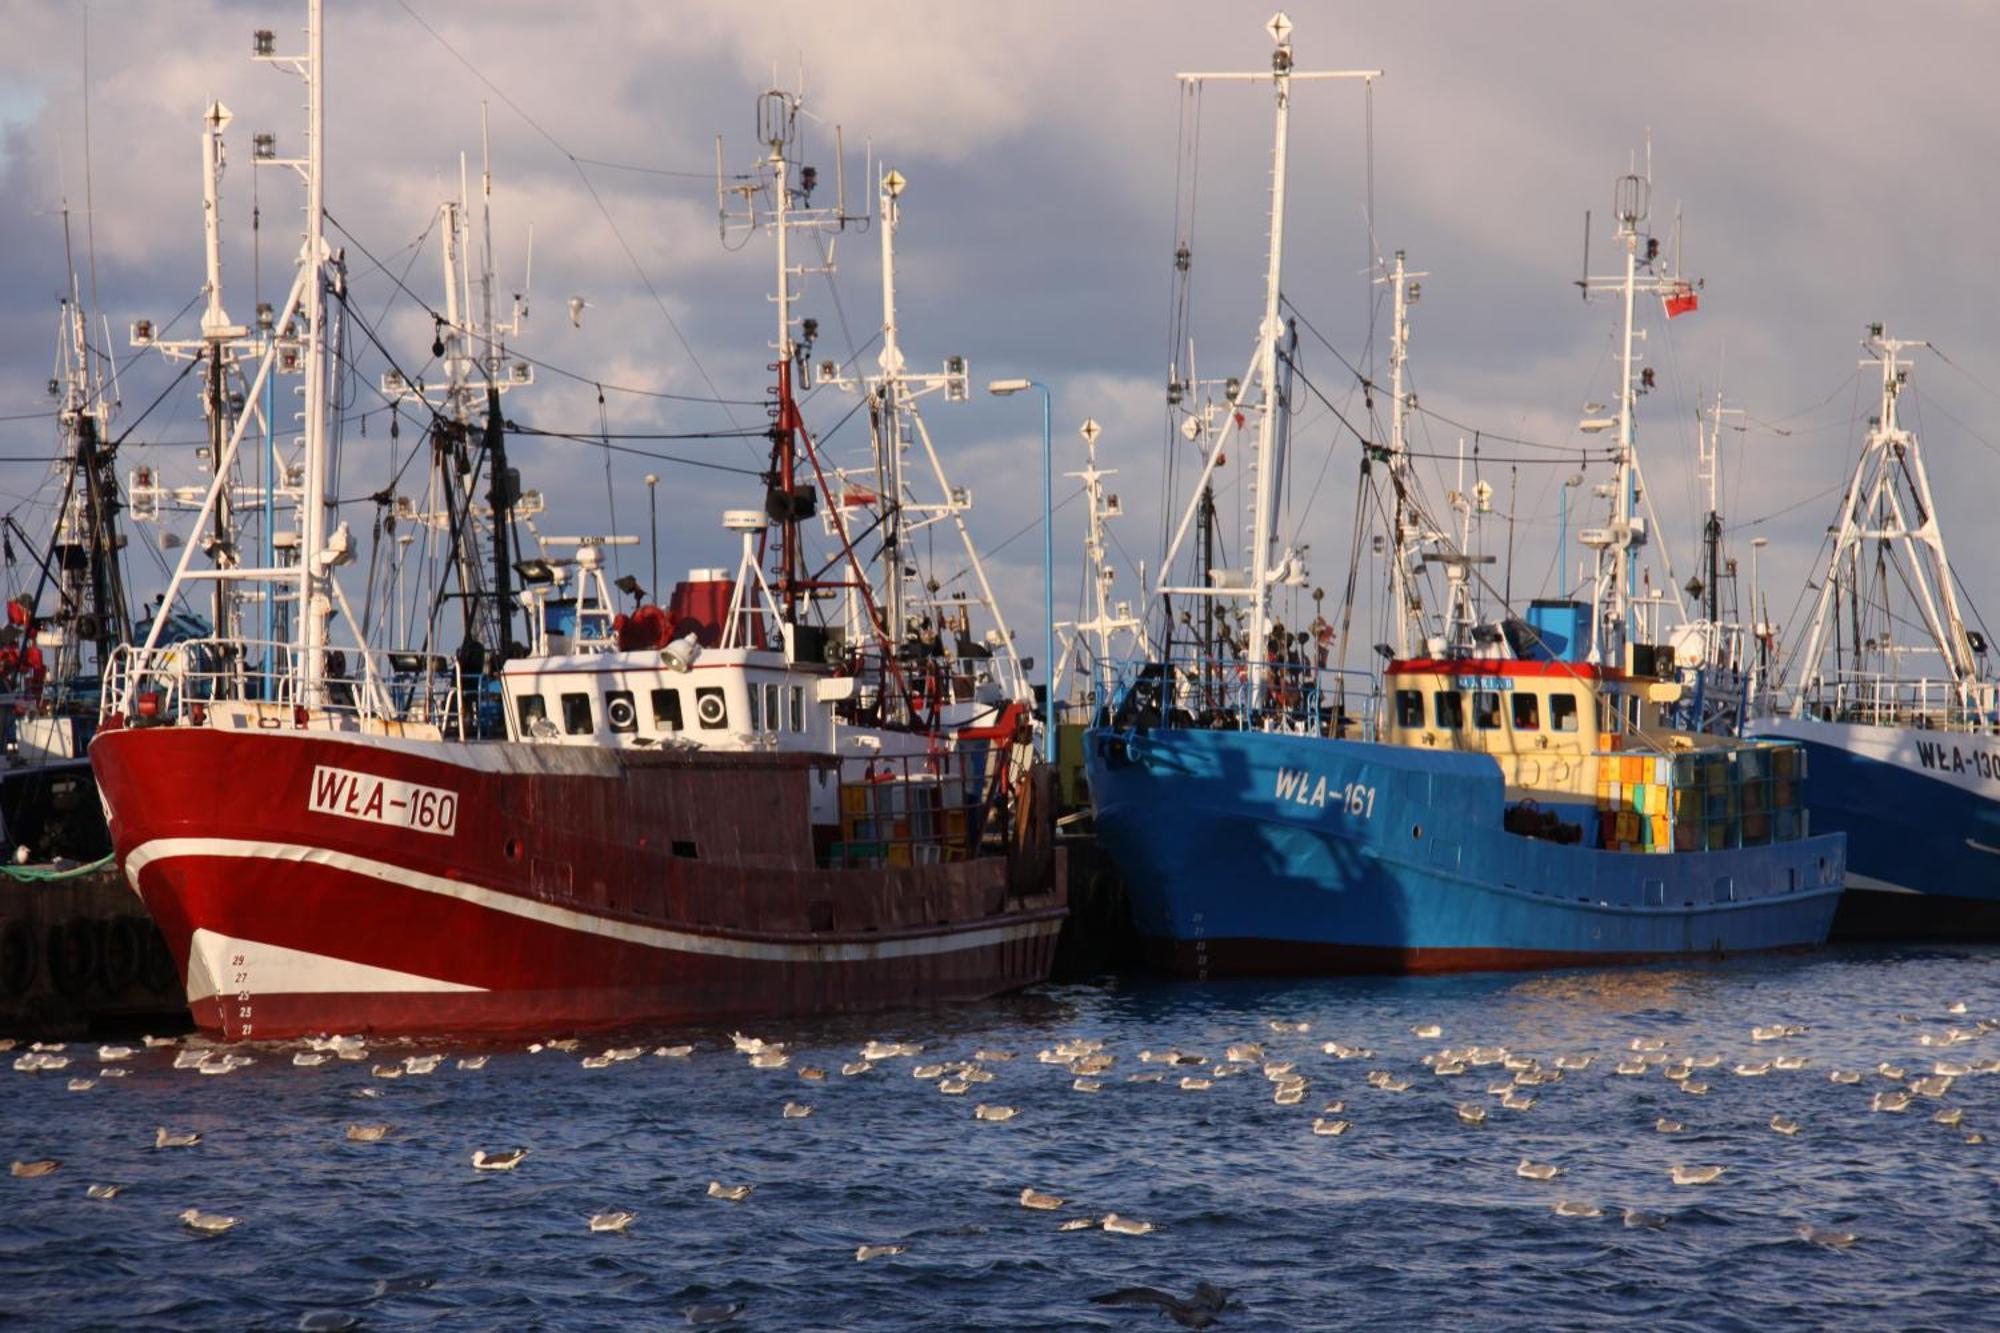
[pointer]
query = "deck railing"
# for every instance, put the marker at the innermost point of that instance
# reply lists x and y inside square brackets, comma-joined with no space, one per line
[1878,699]
[179,682]
[1188,690]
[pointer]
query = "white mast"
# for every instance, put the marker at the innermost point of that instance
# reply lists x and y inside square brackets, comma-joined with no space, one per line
[1262,371]
[1106,622]
[315,592]
[1406,533]
[1888,509]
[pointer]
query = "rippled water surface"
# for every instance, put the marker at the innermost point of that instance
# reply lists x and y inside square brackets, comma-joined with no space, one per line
[1411,1215]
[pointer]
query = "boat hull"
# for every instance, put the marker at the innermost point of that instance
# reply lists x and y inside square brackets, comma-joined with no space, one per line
[1921,811]
[1260,854]
[315,881]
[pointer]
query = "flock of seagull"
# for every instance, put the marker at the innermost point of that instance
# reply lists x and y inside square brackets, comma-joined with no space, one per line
[1289,1060]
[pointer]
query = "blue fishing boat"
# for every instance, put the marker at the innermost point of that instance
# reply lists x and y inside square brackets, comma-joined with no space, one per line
[1511,793]
[1894,698]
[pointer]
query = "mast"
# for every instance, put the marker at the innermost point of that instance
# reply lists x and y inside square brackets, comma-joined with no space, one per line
[1887,509]
[1106,622]
[1405,534]
[315,593]
[1266,562]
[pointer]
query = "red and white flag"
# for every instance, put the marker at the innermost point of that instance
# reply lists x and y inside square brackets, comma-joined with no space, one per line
[1681,301]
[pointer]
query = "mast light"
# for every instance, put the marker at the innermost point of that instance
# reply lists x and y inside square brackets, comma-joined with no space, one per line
[264,42]
[264,146]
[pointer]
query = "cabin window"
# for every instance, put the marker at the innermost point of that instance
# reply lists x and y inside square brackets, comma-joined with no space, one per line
[773,719]
[710,709]
[1527,712]
[667,710]
[1409,708]
[1450,706]
[1608,716]
[1486,709]
[619,712]
[756,709]
[1562,712]
[530,709]
[576,714]
[798,708]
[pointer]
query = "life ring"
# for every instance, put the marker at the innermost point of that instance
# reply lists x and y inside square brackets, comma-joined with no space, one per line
[711,710]
[72,957]
[18,956]
[157,970]
[117,954]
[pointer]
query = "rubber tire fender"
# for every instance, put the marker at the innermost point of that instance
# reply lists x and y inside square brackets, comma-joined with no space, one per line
[18,958]
[157,970]
[117,954]
[72,957]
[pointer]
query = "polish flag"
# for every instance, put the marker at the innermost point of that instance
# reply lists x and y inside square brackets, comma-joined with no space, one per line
[1681,302]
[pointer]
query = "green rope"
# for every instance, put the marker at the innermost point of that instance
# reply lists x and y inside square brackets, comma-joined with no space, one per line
[46,874]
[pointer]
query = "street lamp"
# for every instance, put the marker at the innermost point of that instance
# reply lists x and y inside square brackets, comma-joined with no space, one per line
[653,508]
[1002,389]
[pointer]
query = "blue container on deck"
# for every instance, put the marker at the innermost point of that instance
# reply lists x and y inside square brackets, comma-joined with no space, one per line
[1561,631]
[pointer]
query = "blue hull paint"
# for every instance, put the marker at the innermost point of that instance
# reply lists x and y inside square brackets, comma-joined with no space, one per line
[1385,858]
[1923,839]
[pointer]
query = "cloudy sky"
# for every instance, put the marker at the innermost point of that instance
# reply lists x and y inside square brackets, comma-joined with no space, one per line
[1832,165]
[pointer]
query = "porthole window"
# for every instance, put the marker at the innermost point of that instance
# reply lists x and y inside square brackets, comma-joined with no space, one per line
[709,708]
[619,712]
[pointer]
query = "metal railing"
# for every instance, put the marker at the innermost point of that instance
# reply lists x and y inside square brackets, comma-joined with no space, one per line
[1878,699]
[179,682]
[905,810]
[1188,690]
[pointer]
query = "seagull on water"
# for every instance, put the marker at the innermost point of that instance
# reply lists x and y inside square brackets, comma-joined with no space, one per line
[1471,1114]
[498,1161]
[29,1170]
[1330,1129]
[1125,1226]
[164,1139]
[103,1191]
[1697,1175]
[1078,1224]
[1528,1170]
[797,1110]
[864,1253]
[1788,1128]
[213,1224]
[367,1133]
[615,1220]
[471,1062]
[995,1114]
[1833,1240]
[731,1193]
[1577,1208]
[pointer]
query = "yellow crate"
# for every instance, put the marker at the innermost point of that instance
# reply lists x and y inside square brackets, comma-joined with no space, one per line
[854,800]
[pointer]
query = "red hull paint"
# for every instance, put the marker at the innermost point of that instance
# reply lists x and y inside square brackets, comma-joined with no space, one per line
[575,888]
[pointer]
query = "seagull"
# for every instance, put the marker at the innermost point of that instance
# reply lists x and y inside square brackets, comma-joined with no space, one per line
[1471,1114]
[82,1084]
[1949,1117]
[864,1253]
[616,1220]
[473,1062]
[1087,1085]
[212,1223]
[103,1191]
[985,1056]
[797,1110]
[1788,1128]
[1666,1126]
[1788,1062]
[1247,1053]
[163,1139]
[1078,1224]
[151,1042]
[1955,1007]
[605,1061]
[673,1052]
[854,1067]
[111,1053]
[1280,1025]
[1574,1063]
[421,1064]
[577,305]
[1516,1101]
[1034,1198]
[1695,1088]
[1833,1240]
[731,1193]
[713,1312]
[1756,1070]
[386,1071]
[1843,1076]
[498,1161]
[114,1073]
[367,1133]
[954,1087]
[1289,1095]
[1773,1033]
[1427,1031]
[1639,1217]
[1125,1226]
[29,1170]
[1577,1208]
[1528,1170]
[1330,1129]
[996,1114]
[1629,1067]
[1936,1085]
[620,1054]
[1192,1084]
[1697,1175]
[1890,1101]
[307,1059]
[926,1073]
[812,1075]
[1894,1073]
[1648,1043]
[769,1060]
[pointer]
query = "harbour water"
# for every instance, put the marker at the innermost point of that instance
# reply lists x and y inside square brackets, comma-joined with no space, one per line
[1411,1215]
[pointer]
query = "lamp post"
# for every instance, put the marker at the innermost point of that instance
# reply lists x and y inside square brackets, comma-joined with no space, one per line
[653,509]
[1003,388]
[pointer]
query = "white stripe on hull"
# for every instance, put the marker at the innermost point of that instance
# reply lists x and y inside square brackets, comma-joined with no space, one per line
[1873,885]
[769,951]
[219,964]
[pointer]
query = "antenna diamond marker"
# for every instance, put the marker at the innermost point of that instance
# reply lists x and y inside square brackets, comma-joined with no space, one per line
[894,183]
[1090,431]
[1279,27]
